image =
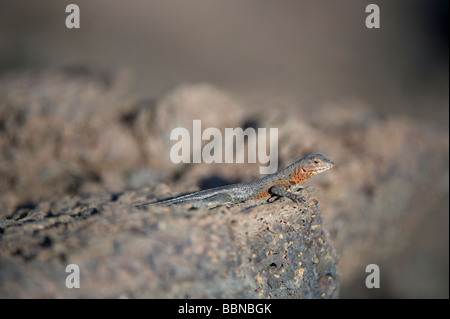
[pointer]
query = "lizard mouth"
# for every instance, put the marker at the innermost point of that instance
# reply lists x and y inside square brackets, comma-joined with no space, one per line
[320,170]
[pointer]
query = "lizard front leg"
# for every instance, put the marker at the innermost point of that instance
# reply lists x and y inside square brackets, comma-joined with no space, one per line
[279,190]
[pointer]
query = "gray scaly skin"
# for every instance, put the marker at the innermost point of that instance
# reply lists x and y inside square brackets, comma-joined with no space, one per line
[277,184]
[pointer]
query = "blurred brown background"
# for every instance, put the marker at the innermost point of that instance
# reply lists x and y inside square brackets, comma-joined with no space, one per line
[264,52]
[307,49]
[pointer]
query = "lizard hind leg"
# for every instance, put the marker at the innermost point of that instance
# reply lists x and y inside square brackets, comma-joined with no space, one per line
[214,200]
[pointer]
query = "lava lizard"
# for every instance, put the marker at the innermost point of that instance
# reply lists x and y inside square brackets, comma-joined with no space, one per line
[277,184]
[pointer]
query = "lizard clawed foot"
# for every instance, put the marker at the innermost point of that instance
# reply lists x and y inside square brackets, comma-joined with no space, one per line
[273,198]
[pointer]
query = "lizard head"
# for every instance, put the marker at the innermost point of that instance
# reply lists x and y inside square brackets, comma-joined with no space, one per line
[314,164]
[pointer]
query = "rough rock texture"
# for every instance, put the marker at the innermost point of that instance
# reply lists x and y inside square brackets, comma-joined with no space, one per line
[262,251]
[77,151]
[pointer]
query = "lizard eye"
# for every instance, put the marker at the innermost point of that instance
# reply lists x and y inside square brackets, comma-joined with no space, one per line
[303,170]
[316,162]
